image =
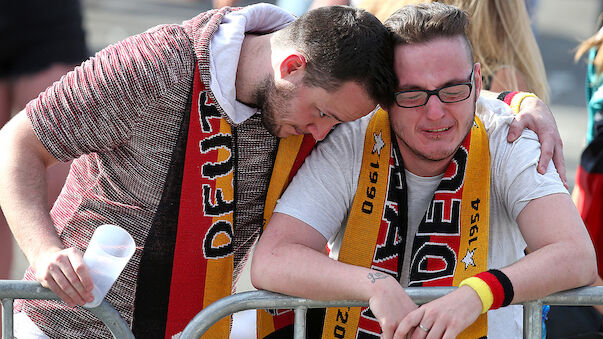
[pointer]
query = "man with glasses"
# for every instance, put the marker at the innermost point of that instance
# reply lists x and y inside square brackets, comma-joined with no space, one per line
[442,200]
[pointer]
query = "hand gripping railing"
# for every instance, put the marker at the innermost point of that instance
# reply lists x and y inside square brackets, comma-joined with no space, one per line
[532,316]
[17,289]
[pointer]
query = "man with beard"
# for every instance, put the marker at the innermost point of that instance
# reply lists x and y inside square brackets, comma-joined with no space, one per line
[444,200]
[174,133]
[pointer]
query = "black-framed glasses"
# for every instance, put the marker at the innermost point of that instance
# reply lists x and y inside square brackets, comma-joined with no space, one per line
[447,94]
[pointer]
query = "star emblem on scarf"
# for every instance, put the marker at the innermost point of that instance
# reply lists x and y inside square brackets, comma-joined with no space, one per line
[379,144]
[468,259]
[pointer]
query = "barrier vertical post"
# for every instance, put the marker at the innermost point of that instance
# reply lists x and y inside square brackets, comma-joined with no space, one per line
[7,318]
[299,326]
[532,319]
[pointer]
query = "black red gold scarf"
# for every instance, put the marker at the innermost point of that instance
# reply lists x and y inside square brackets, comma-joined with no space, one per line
[452,240]
[203,255]
[290,156]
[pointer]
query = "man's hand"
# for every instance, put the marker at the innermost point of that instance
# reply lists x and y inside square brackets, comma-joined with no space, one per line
[390,303]
[444,317]
[64,272]
[536,116]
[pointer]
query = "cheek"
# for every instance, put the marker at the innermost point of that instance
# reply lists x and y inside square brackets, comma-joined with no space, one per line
[402,120]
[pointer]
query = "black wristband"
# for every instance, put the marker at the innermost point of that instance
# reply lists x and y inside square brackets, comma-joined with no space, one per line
[506,285]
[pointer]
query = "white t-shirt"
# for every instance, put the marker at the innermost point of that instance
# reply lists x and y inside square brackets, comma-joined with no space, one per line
[322,192]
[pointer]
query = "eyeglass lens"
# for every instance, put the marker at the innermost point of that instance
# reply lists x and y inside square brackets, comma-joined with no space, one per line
[448,94]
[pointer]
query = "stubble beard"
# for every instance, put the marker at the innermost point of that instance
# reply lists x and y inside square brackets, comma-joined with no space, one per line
[273,103]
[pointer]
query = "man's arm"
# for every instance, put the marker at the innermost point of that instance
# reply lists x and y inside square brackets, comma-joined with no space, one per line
[23,163]
[535,115]
[561,252]
[289,259]
[561,257]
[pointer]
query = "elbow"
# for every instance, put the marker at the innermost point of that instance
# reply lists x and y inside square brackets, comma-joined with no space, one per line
[585,263]
[259,273]
[591,271]
[256,276]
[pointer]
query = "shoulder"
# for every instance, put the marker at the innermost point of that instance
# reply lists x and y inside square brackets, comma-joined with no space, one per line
[153,61]
[497,118]
[348,135]
[166,44]
[494,114]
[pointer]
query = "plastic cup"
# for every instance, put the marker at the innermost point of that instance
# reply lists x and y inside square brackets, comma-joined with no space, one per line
[108,252]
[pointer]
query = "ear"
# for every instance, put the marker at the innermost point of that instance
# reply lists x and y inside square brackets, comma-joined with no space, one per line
[292,63]
[477,74]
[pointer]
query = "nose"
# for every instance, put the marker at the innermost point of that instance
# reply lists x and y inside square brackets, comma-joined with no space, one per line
[320,130]
[434,108]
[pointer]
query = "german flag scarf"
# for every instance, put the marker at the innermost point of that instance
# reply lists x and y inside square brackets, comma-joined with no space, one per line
[203,255]
[290,156]
[452,239]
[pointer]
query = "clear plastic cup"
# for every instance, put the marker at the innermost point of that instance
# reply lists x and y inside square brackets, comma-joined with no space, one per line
[108,252]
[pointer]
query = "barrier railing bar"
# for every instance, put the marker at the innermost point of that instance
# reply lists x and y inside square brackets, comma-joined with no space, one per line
[270,300]
[592,295]
[18,289]
[420,295]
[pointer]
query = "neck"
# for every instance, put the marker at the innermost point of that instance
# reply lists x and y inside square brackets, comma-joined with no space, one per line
[254,65]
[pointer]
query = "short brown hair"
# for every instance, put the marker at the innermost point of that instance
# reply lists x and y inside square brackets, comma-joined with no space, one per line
[424,22]
[342,44]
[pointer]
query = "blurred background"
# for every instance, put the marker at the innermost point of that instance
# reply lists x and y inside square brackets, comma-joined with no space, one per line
[559,26]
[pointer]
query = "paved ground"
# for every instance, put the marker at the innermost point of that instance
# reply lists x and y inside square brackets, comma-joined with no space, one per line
[560,25]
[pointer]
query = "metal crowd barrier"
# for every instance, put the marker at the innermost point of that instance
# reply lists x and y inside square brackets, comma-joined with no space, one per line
[532,311]
[17,289]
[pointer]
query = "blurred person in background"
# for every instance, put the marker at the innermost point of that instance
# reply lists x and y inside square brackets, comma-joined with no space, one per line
[586,321]
[32,57]
[588,191]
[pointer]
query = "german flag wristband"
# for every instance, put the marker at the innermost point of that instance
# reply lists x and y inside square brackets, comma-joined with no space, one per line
[514,99]
[482,289]
[493,288]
